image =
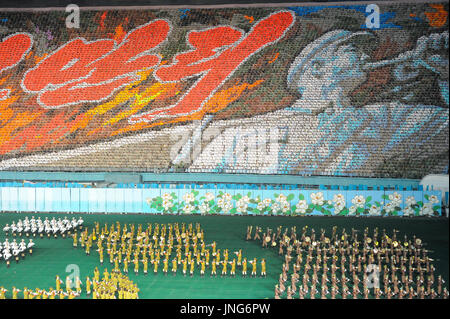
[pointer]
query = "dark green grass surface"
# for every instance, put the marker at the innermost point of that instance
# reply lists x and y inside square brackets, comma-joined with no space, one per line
[52,256]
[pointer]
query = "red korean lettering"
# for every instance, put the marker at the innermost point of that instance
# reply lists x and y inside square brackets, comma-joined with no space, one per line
[13,49]
[217,53]
[82,71]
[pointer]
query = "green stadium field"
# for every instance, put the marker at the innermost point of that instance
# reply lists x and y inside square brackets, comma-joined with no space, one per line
[52,256]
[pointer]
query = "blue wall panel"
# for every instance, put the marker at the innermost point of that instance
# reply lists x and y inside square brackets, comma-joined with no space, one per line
[101,200]
[57,199]
[65,199]
[40,199]
[48,199]
[75,200]
[120,201]
[6,199]
[111,198]
[137,200]
[30,198]
[84,199]
[93,200]
[128,200]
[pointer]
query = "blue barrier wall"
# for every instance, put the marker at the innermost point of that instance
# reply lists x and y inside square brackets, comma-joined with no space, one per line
[84,177]
[192,199]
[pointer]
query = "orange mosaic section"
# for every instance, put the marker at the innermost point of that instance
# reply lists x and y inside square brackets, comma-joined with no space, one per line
[438,17]
[91,89]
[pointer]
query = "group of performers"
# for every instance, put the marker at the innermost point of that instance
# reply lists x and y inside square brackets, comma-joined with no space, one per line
[171,245]
[112,286]
[43,294]
[46,294]
[345,266]
[9,250]
[34,227]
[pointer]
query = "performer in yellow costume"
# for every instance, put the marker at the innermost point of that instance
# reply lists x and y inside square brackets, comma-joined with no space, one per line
[68,284]
[233,268]
[125,265]
[253,262]
[263,268]
[26,293]
[244,267]
[203,266]
[15,292]
[224,268]
[3,292]
[213,268]
[174,266]
[191,271]
[58,283]
[145,263]
[155,266]
[165,266]
[78,285]
[136,265]
[88,286]
[75,243]
[96,275]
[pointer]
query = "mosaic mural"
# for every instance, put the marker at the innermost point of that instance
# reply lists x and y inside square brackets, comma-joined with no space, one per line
[207,201]
[293,90]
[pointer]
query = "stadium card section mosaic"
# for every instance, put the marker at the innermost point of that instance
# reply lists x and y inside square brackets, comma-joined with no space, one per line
[293,90]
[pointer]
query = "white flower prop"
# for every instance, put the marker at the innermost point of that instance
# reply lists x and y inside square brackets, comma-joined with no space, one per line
[433,199]
[374,210]
[281,198]
[338,207]
[395,198]
[408,211]
[221,203]
[359,201]
[188,198]
[427,210]
[389,207]
[352,210]
[227,207]
[204,208]
[245,199]
[227,197]
[285,207]
[241,206]
[167,196]
[167,204]
[410,201]
[301,207]
[187,209]
[339,198]
[267,202]
[209,196]
[260,206]
[275,208]
[317,198]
